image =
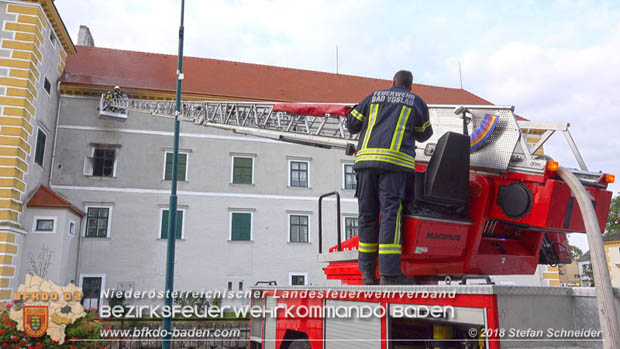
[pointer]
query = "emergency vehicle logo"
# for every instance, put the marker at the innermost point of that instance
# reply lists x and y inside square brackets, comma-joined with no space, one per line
[43,308]
[479,137]
[35,320]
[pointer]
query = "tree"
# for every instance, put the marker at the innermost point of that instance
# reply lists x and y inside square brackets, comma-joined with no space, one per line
[40,265]
[575,252]
[588,273]
[613,220]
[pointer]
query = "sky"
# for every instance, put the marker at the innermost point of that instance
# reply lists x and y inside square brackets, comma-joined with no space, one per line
[556,61]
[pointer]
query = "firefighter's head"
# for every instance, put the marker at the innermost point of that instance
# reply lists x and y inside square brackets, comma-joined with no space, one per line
[117,88]
[403,78]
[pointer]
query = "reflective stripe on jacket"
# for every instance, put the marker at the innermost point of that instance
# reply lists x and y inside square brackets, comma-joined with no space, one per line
[389,122]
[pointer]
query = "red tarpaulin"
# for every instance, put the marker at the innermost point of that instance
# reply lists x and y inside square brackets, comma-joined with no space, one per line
[312,109]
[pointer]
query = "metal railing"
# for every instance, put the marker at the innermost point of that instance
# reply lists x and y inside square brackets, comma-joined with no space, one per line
[337,219]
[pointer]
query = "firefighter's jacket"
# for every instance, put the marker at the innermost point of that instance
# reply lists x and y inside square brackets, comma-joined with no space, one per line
[390,121]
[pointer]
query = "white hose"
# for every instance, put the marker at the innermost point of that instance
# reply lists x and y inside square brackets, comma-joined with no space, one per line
[608,315]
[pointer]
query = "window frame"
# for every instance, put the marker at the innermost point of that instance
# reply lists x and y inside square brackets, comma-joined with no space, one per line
[102,276]
[344,225]
[54,219]
[230,215]
[232,167]
[52,37]
[74,228]
[290,169]
[46,80]
[34,157]
[186,166]
[90,158]
[289,215]
[295,273]
[108,231]
[344,176]
[161,218]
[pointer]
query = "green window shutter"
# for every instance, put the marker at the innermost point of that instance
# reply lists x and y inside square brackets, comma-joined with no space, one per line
[40,148]
[165,219]
[242,170]
[168,171]
[165,215]
[241,226]
[182,169]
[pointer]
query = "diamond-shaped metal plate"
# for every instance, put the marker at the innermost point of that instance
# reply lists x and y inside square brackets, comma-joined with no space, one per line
[495,154]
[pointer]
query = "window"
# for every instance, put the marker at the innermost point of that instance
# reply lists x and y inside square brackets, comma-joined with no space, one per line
[97,222]
[350,227]
[47,86]
[297,279]
[44,225]
[241,226]
[181,169]
[165,217]
[39,153]
[242,170]
[91,288]
[350,182]
[53,38]
[299,174]
[71,228]
[229,285]
[102,162]
[240,285]
[298,228]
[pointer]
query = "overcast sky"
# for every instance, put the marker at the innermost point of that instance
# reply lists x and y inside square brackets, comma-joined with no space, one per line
[553,60]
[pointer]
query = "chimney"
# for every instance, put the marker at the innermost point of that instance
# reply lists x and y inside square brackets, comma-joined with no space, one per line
[84,37]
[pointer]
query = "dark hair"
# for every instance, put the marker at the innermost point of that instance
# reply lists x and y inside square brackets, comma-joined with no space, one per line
[403,78]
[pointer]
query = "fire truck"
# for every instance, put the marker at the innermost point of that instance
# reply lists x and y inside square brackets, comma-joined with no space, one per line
[486,202]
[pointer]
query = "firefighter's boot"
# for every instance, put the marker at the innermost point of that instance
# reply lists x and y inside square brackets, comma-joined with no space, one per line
[397,280]
[369,278]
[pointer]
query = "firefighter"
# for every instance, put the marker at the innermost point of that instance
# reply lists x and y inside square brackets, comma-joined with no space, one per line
[106,103]
[389,122]
[117,92]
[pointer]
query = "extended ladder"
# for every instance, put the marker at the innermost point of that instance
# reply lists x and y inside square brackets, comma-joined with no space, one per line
[323,125]
[252,118]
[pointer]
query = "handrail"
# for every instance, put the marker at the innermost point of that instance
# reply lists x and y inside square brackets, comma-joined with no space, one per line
[321,219]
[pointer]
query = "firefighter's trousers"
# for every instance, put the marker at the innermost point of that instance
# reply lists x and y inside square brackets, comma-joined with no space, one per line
[380,191]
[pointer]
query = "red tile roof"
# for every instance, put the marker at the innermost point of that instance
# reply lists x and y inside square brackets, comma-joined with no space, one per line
[47,198]
[102,68]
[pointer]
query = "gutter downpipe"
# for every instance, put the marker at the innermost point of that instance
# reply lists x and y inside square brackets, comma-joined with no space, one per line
[49,181]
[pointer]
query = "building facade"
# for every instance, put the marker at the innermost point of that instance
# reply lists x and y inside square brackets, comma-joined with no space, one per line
[33,50]
[611,244]
[248,206]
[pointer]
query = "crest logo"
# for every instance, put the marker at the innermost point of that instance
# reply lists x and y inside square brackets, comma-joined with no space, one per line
[35,320]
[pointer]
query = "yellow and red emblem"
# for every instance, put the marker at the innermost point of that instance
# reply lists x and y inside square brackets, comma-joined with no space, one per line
[35,320]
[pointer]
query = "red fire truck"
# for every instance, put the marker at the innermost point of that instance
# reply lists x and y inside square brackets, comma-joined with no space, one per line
[485,204]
